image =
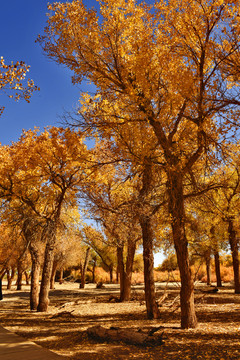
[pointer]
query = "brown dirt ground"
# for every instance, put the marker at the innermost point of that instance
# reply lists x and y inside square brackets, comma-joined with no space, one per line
[216,337]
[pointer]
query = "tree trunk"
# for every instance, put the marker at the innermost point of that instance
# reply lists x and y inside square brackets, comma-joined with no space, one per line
[125,335]
[9,282]
[1,295]
[19,277]
[19,281]
[234,249]
[176,210]
[117,275]
[50,234]
[26,277]
[120,267]
[129,267]
[83,269]
[214,241]
[126,271]
[147,235]
[46,273]
[2,273]
[111,274]
[35,275]
[208,268]
[10,277]
[34,291]
[61,276]
[53,274]
[217,268]
[93,272]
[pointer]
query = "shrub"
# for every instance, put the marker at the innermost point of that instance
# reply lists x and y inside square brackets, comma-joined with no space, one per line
[137,278]
[169,264]
[102,276]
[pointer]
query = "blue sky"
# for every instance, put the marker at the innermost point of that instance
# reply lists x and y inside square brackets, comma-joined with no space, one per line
[21,22]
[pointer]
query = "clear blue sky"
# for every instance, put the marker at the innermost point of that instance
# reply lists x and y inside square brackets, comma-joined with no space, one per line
[21,22]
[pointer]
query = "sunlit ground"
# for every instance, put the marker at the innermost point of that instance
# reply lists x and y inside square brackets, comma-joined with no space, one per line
[72,311]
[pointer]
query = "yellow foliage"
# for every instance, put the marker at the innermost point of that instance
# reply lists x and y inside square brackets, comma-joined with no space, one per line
[12,78]
[43,171]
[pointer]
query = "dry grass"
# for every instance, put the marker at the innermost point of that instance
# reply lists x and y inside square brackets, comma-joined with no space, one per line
[72,311]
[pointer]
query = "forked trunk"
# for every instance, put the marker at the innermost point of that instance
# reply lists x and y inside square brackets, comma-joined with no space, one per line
[234,249]
[125,271]
[148,259]
[50,234]
[176,209]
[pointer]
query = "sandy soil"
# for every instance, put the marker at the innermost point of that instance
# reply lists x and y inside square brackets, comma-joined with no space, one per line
[72,310]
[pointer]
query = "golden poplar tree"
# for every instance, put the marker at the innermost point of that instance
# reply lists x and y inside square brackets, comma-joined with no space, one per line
[172,69]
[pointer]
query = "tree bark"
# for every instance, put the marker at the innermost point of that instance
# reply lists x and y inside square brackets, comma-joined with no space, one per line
[125,335]
[32,234]
[234,249]
[19,277]
[53,274]
[93,272]
[1,295]
[148,259]
[126,271]
[47,270]
[129,267]
[117,275]
[34,291]
[83,269]
[111,274]
[145,221]
[10,277]
[35,275]
[217,268]
[26,277]
[208,267]
[61,276]
[176,210]
[50,234]
[120,267]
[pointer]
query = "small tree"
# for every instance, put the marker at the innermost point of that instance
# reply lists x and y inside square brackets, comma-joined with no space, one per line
[43,172]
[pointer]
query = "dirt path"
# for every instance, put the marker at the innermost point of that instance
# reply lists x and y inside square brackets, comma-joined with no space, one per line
[72,311]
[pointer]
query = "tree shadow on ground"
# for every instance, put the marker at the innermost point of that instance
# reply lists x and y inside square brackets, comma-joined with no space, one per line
[64,330]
